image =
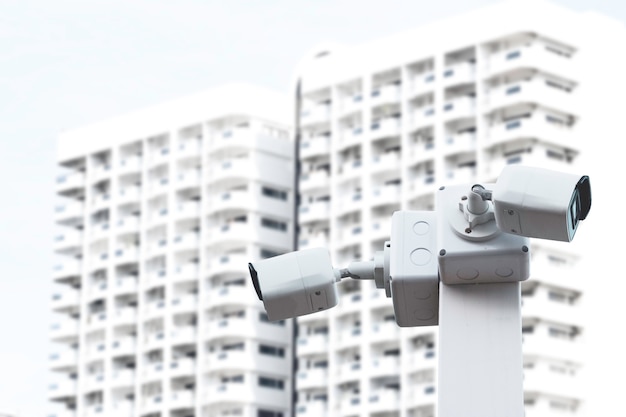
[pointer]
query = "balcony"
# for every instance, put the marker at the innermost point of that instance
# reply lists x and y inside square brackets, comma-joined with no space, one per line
[64,330]
[536,158]
[383,400]
[351,135]
[151,404]
[128,224]
[420,83]
[385,365]
[186,241]
[237,138]
[422,359]
[155,307]
[188,179]
[96,350]
[229,360]
[421,395]
[231,294]
[544,345]
[125,285]
[66,299]
[385,331]
[62,389]
[129,194]
[553,311]
[130,164]
[184,303]
[351,103]
[186,272]
[242,327]
[229,393]
[460,142]
[65,359]
[69,242]
[315,115]
[312,378]
[314,180]
[231,200]
[389,161]
[535,91]
[126,315]
[159,155]
[349,336]
[238,168]
[127,254]
[543,380]
[385,127]
[67,269]
[228,263]
[461,73]
[315,211]
[154,340]
[182,399]
[123,377]
[189,148]
[422,117]
[459,108]
[461,175]
[386,194]
[349,371]
[534,56]
[93,410]
[385,95]
[100,201]
[350,234]
[233,231]
[94,381]
[315,146]
[350,404]
[313,240]
[69,184]
[312,409]
[187,210]
[159,185]
[182,366]
[70,213]
[350,168]
[533,127]
[100,229]
[123,346]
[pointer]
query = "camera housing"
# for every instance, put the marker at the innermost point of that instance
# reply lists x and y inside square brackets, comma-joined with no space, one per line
[536,202]
[296,283]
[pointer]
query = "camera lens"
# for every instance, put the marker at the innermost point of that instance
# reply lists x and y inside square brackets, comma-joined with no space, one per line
[255,281]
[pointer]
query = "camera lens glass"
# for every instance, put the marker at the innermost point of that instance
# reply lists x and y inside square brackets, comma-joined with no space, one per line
[255,281]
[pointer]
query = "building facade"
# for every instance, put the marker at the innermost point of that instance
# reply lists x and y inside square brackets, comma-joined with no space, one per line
[381,126]
[159,213]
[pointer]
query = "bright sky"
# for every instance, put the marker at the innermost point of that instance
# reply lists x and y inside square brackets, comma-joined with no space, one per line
[66,63]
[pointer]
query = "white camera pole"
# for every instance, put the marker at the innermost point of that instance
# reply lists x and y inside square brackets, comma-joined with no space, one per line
[480,334]
[480,351]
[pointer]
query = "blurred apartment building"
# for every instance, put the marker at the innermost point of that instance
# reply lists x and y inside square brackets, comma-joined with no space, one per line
[383,125]
[160,211]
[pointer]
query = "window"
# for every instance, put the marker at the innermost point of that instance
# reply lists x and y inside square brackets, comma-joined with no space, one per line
[266,253]
[271,383]
[274,224]
[513,125]
[272,351]
[263,318]
[514,89]
[267,413]
[274,193]
[513,55]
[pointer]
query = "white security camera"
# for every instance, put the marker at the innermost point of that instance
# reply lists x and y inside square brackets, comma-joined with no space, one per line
[296,283]
[536,202]
[477,235]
